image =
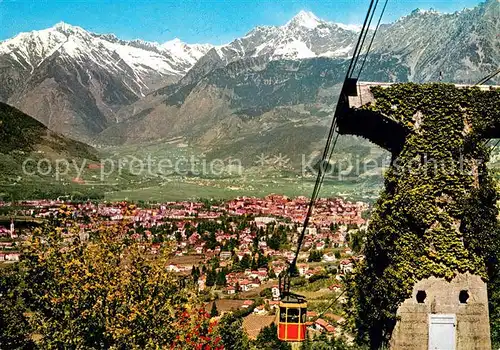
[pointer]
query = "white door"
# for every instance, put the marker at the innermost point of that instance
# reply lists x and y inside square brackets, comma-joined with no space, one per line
[442,331]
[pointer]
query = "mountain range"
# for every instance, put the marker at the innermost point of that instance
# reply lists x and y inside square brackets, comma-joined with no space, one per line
[270,91]
[74,81]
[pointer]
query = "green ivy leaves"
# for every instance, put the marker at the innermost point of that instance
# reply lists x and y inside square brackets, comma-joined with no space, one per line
[432,219]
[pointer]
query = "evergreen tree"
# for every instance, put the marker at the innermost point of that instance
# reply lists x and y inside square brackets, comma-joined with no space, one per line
[211,242]
[254,264]
[268,339]
[262,260]
[236,263]
[211,277]
[195,273]
[255,245]
[245,262]
[214,312]
[178,236]
[233,337]
[221,278]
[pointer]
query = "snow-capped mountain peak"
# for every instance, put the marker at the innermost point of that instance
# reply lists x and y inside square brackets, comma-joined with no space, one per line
[305,19]
[304,36]
[352,27]
[181,50]
[64,26]
[172,43]
[144,58]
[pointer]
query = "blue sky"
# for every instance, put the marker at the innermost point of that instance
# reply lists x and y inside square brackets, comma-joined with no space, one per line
[213,21]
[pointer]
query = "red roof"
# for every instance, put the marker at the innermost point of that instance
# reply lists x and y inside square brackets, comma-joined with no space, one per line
[321,322]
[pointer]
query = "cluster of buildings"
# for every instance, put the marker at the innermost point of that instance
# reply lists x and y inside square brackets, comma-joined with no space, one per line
[326,210]
[332,221]
[9,250]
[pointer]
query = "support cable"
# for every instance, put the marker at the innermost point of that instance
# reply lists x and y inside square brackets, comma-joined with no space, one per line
[373,38]
[365,34]
[328,150]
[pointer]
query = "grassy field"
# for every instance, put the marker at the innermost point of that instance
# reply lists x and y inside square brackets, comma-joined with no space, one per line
[196,182]
[194,188]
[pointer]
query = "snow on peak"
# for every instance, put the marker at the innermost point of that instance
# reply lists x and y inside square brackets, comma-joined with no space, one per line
[174,46]
[425,12]
[72,42]
[68,29]
[183,51]
[351,27]
[61,25]
[305,19]
[294,50]
[309,20]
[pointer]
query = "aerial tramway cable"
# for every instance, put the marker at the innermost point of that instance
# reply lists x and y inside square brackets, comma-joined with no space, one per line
[292,308]
[330,145]
[373,38]
[365,34]
[331,142]
[487,78]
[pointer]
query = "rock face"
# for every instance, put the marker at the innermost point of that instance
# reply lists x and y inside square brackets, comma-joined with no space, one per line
[265,72]
[455,310]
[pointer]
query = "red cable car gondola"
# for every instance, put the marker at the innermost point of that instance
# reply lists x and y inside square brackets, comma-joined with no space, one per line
[291,317]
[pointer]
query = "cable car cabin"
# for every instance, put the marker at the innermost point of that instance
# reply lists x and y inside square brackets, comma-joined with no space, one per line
[292,318]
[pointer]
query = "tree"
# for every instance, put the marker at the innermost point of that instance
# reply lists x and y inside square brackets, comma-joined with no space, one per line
[214,312]
[236,261]
[245,261]
[357,240]
[266,293]
[221,278]
[14,326]
[230,330]
[274,242]
[211,277]
[212,242]
[97,294]
[315,256]
[178,236]
[268,339]
[254,265]
[262,260]
[195,273]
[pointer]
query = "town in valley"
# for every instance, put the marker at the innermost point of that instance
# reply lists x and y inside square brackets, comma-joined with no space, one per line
[233,251]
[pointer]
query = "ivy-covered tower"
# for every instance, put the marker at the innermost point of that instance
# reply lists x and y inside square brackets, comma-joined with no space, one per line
[432,245]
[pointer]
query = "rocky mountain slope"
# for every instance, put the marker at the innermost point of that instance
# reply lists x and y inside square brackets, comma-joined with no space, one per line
[73,81]
[275,83]
[244,99]
[463,46]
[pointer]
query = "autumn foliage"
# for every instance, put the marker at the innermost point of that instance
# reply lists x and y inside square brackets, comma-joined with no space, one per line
[107,292]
